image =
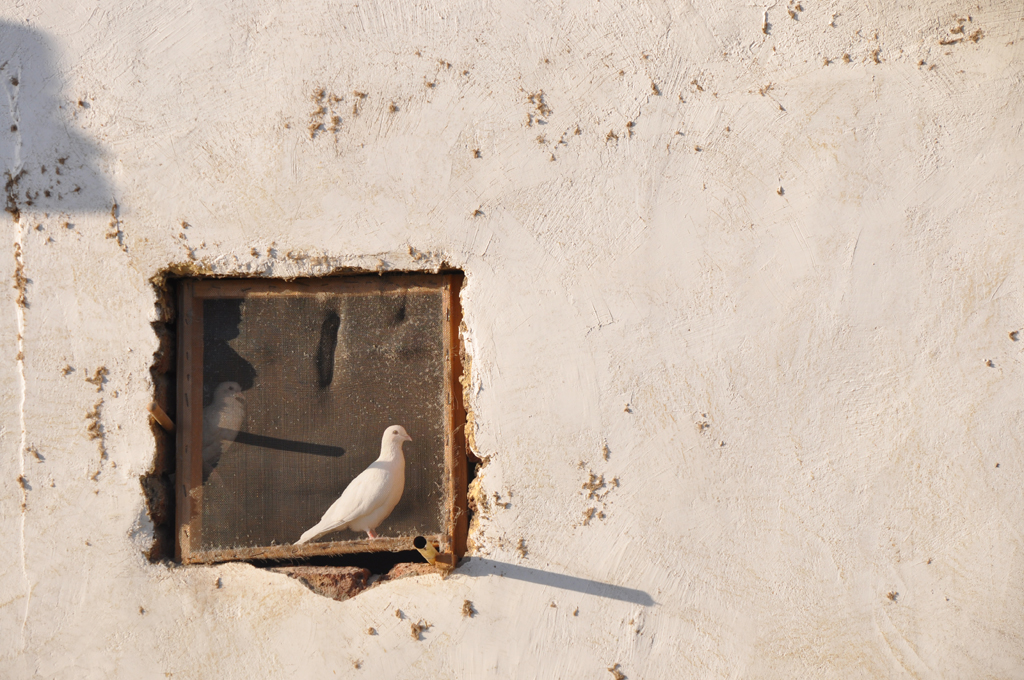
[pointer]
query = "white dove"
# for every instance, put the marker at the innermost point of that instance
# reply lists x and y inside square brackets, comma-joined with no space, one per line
[221,420]
[372,495]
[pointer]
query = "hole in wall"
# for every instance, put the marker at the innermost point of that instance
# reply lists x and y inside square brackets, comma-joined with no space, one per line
[338,576]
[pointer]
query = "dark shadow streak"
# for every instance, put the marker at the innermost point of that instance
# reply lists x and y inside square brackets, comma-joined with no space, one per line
[326,348]
[288,445]
[476,566]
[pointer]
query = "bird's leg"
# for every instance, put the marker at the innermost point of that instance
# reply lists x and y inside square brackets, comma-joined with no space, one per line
[369,532]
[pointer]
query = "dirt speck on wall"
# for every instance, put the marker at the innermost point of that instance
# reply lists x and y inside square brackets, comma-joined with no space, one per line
[742,312]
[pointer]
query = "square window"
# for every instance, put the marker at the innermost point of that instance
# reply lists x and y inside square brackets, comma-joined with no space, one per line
[285,390]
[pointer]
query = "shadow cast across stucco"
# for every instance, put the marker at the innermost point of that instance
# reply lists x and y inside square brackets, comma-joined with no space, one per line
[478,566]
[47,165]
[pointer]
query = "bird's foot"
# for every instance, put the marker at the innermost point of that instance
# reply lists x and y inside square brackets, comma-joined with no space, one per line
[369,532]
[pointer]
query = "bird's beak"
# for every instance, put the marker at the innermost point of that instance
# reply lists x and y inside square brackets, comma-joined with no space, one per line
[408,438]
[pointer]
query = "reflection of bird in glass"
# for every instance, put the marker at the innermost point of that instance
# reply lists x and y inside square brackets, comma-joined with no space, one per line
[221,420]
[371,496]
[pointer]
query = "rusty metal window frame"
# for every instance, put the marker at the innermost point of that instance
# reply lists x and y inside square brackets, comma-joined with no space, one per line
[189,477]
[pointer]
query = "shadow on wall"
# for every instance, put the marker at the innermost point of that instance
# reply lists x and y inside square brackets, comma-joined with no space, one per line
[476,566]
[47,166]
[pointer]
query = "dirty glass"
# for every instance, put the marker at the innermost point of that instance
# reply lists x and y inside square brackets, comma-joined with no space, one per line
[297,392]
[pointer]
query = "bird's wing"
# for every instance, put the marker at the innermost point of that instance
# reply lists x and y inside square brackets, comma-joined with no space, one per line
[362,496]
[221,421]
[211,423]
[231,415]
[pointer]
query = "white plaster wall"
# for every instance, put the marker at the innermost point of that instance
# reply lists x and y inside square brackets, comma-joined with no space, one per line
[814,259]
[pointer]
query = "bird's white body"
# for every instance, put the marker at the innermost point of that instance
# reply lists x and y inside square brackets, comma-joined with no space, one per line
[372,495]
[221,421]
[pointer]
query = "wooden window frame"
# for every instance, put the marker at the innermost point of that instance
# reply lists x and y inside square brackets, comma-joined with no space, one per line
[189,482]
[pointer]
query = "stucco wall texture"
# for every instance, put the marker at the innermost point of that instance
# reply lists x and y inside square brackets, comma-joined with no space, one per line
[760,264]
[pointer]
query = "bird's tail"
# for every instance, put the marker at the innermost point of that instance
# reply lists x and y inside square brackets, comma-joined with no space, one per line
[316,532]
[309,535]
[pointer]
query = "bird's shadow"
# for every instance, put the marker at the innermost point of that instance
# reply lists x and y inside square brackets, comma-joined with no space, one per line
[47,165]
[477,566]
[221,322]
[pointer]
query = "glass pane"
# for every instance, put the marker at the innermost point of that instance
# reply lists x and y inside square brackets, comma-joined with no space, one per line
[320,377]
